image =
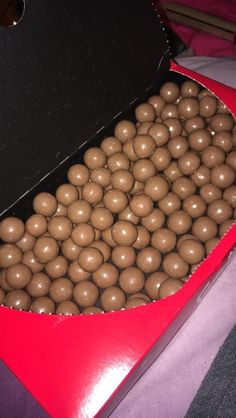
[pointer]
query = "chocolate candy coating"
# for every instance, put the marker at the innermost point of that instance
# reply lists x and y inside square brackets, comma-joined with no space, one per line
[131,280]
[112,299]
[85,294]
[169,287]
[12,229]
[90,259]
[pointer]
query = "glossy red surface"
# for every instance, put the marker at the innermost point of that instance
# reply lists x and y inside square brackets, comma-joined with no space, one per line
[73,365]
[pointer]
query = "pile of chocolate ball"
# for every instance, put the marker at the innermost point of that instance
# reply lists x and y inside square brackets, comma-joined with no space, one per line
[135,220]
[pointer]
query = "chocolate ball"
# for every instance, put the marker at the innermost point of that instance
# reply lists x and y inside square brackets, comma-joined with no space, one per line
[221,122]
[112,299]
[85,294]
[210,244]
[78,175]
[204,228]
[224,227]
[46,249]
[61,289]
[122,180]
[156,187]
[107,275]
[144,146]
[231,159]
[172,172]
[111,145]
[145,112]
[219,211]
[66,194]
[67,308]
[178,146]
[76,273]
[124,233]
[101,218]
[45,204]
[128,215]
[164,240]
[153,283]
[18,276]
[128,150]
[30,260]
[205,92]
[103,248]
[212,156]
[101,175]
[60,228]
[79,211]
[141,205]
[188,163]
[174,266]
[222,176]
[131,280]
[12,229]
[160,133]
[70,250]
[83,235]
[123,257]
[179,222]
[91,310]
[143,238]
[161,158]
[170,203]
[209,193]
[134,303]
[199,139]
[201,176]
[27,242]
[230,195]
[3,282]
[143,128]
[175,127]
[208,106]
[169,287]
[17,299]
[92,192]
[183,187]
[170,111]
[94,157]
[223,140]
[188,107]
[170,92]
[9,254]
[139,295]
[118,161]
[57,267]
[154,220]
[107,237]
[148,260]
[183,238]
[192,124]
[194,205]
[39,285]
[143,169]
[189,89]
[115,200]
[158,103]
[36,225]
[90,259]
[191,251]
[125,130]
[43,305]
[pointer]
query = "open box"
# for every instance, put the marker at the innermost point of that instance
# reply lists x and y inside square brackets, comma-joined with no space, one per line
[81,68]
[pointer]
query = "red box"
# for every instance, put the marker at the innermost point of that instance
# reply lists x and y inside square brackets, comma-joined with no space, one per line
[84,365]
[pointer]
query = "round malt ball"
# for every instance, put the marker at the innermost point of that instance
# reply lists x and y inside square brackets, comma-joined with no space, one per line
[102,176]
[3,283]
[60,228]
[123,257]
[46,249]
[161,158]
[90,259]
[101,218]
[112,299]
[94,157]
[140,295]
[9,254]
[170,111]
[183,238]
[145,112]
[208,106]
[45,204]
[39,285]
[122,180]
[107,238]
[223,140]
[79,211]
[27,242]
[209,193]
[192,124]
[189,89]
[91,310]
[124,130]
[131,280]
[141,205]
[76,273]
[124,233]
[61,289]
[188,107]
[17,299]
[199,139]
[192,251]
[225,226]
[231,159]
[111,145]
[222,176]
[202,176]
[83,235]
[70,250]
[220,211]
[160,133]
[12,229]
[143,128]
[85,294]
[158,103]
[153,283]
[175,126]
[179,222]
[43,305]
[92,192]
[144,146]
[104,248]
[183,187]
[156,187]
[30,260]
[134,303]
[57,267]
[178,146]
[78,175]
[164,240]
[36,225]
[18,276]
[230,195]
[221,122]
[67,308]
[188,163]
[169,287]
[210,244]
[170,92]
[66,194]
[107,275]
[143,238]
[148,260]
[204,228]
[172,172]
[175,266]
[194,205]
[212,156]
[154,220]
[170,203]
[118,161]
[128,215]
[128,150]
[115,200]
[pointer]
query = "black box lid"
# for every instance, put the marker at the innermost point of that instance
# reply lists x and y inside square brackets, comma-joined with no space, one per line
[67,69]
